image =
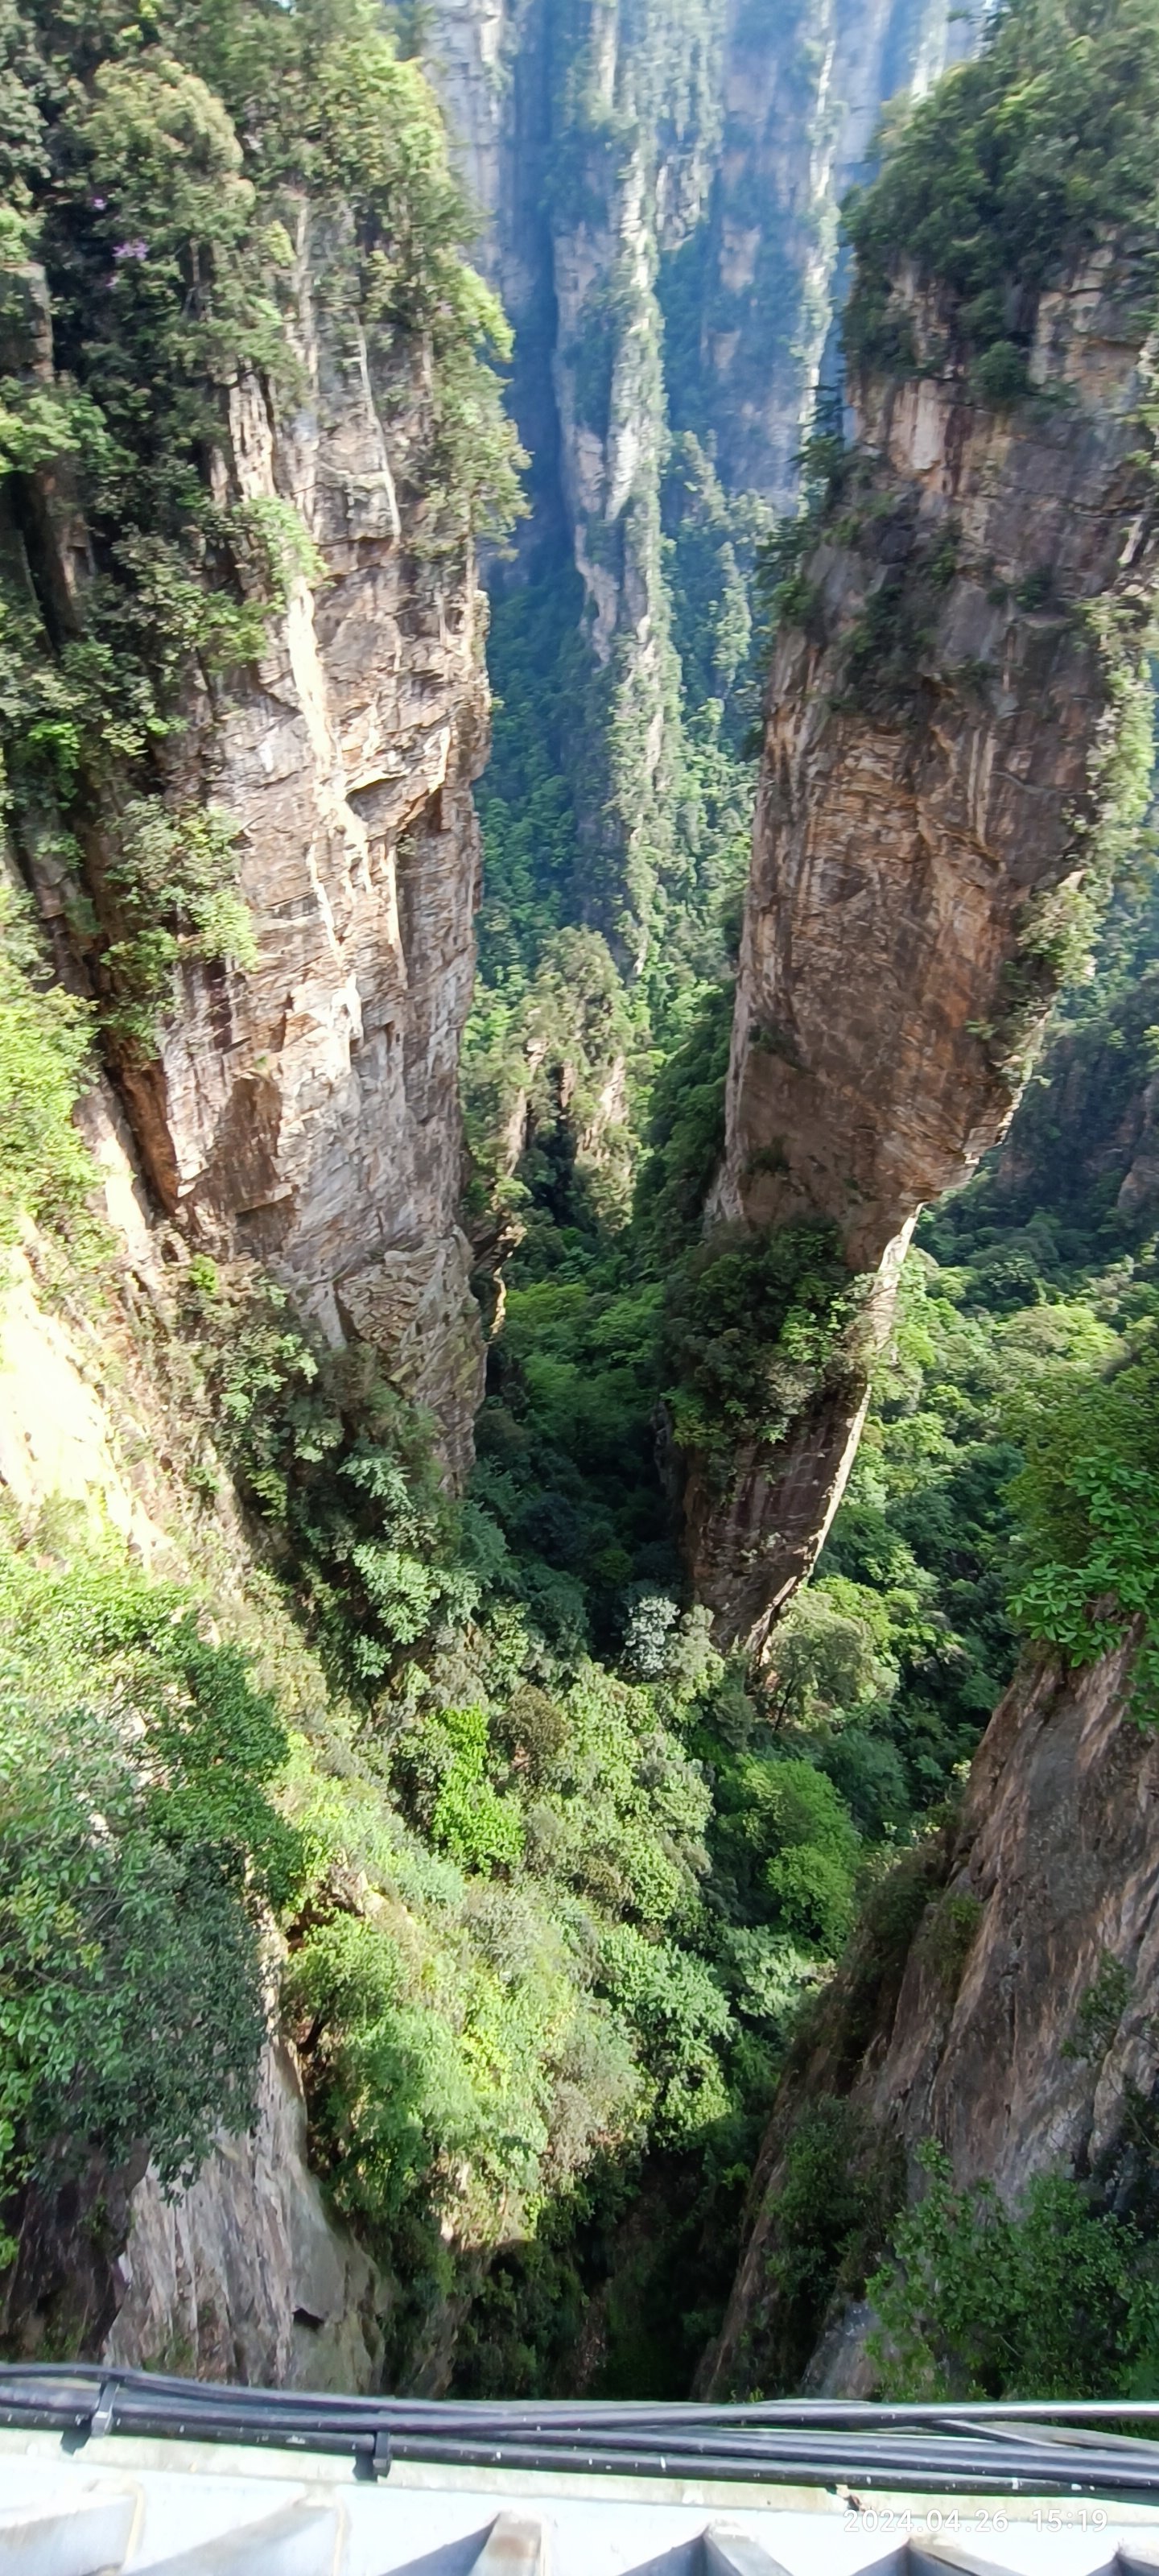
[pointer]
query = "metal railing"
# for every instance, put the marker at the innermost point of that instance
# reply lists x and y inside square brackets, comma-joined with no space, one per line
[1102,2449]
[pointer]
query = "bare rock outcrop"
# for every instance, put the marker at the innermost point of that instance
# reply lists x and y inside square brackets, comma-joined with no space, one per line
[981,2031]
[244,2276]
[309,1111]
[944,774]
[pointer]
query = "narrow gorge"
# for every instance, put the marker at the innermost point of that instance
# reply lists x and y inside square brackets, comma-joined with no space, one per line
[578,1194]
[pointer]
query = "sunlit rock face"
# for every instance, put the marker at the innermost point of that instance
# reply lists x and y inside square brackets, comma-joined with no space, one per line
[945,725]
[305,1112]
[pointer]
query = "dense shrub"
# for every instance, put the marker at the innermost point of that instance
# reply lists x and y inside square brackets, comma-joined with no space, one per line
[45,1172]
[1088,1500]
[137,1841]
[752,1324]
[1056,2299]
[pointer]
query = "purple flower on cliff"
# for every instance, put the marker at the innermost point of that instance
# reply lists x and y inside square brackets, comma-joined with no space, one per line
[131,250]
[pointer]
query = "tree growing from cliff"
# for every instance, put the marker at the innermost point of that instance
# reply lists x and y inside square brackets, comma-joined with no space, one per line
[1017,164]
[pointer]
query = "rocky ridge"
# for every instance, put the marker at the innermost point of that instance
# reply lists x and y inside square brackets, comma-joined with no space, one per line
[948,716]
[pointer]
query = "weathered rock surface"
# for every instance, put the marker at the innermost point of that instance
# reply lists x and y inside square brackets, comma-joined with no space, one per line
[630,164]
[1051,1870]
[939,749]
[243,2276]
[306,1112]
[801,100]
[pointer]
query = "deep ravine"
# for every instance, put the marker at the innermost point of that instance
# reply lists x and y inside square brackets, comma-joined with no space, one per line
[499,1602]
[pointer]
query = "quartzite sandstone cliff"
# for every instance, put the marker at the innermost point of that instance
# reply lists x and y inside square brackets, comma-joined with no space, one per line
[305,1112]
[659,192]
[940,732]
[1049,1872]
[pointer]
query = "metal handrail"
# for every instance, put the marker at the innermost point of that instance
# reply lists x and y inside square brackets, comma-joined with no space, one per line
[1053,2447]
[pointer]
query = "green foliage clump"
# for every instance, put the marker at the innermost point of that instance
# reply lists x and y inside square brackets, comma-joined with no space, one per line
[1087,1498]
[921,1555]
[785,1849]
[784,594]
[137,1843]
[1100,2011]
[1057,2299]
[686,1128]
[835,2200]
[171,868]
[673,2003]
[341,1465]
[753,1323]
[1016,163]
[469,1820]
[549,1072]
[45,1171]
[515,1993]
[948,1935]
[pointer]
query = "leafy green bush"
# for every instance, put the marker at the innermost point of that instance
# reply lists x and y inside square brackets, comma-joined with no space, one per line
[1000,376]
[1087,1499]
[458,2063]
[675,2005]
[470,1820]
[179,869]
[328,1452]
[137,1842]
[752,1323]
[45,1171]
[785,1849]
[1055,2300]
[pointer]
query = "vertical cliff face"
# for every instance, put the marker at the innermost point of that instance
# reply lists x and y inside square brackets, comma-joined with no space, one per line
[244,2276]
[310,1114]
[947,739]
[659,192]
[803,89]
[980,2031]
[305,1111]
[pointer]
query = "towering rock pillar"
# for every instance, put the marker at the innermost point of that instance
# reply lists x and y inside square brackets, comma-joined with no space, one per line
[305,1112]
[956,742]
